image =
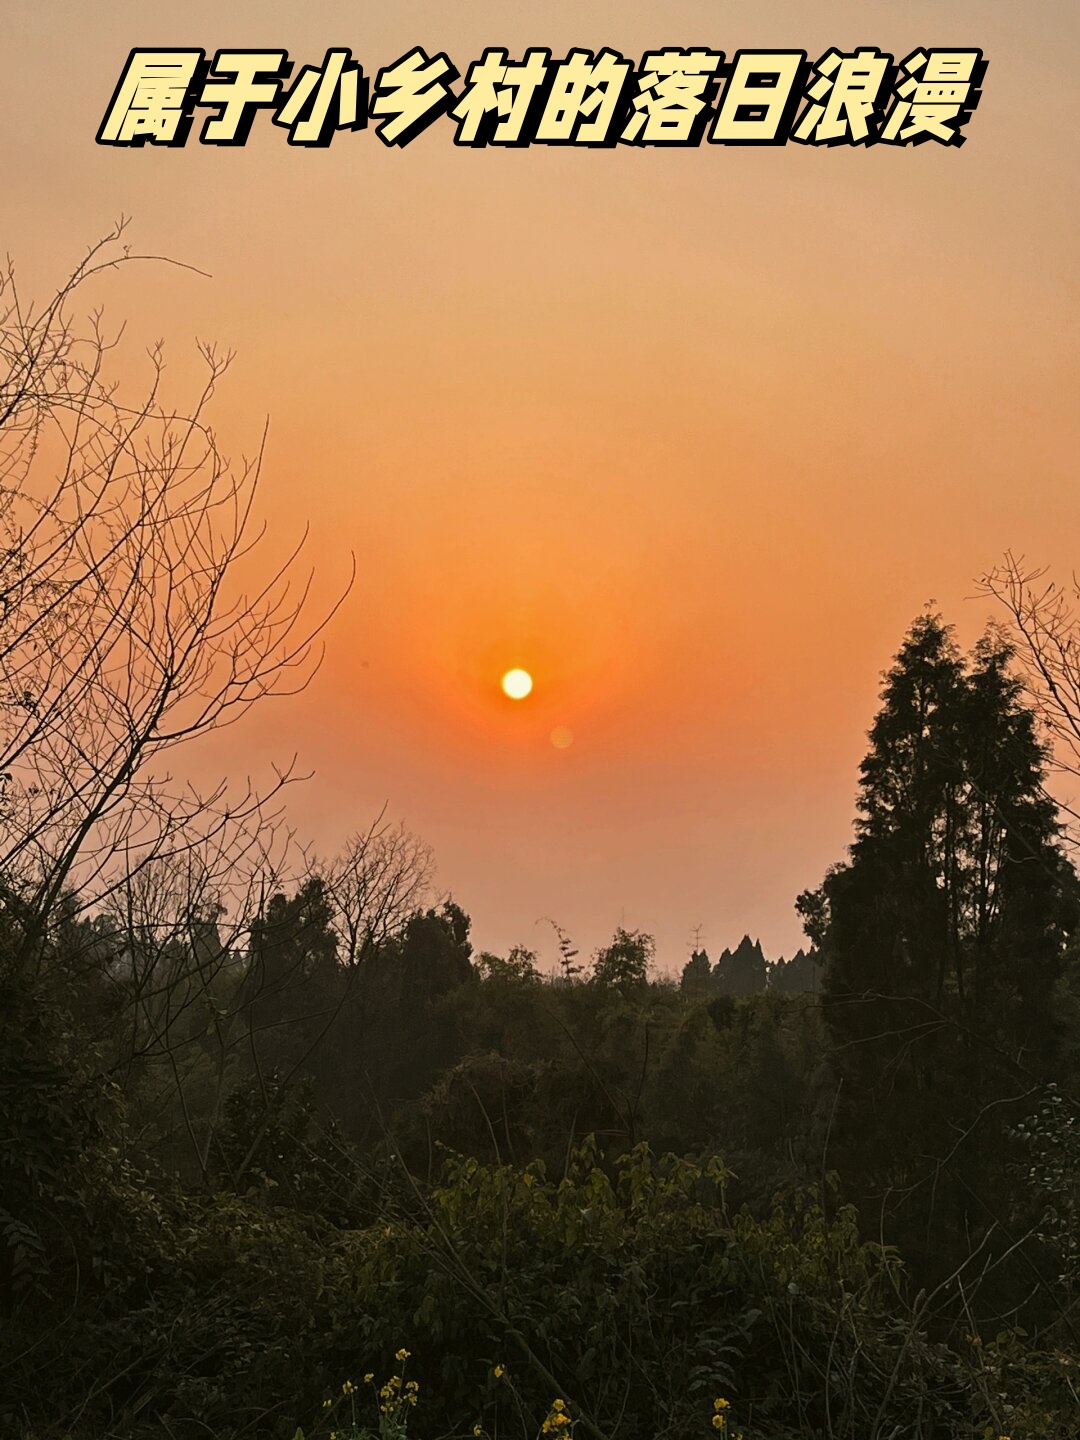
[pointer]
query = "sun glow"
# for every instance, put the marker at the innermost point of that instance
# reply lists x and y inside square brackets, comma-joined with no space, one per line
[517,684]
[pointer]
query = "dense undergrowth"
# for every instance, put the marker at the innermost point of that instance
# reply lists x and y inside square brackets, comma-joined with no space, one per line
[629,1290]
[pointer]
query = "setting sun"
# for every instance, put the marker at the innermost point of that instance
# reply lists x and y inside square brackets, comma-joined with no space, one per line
[517,684]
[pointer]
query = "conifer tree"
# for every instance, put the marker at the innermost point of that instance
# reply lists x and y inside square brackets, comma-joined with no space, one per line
[946,934]
[696,978]
[741,971]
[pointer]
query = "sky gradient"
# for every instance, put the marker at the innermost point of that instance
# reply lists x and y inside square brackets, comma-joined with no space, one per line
[691,435]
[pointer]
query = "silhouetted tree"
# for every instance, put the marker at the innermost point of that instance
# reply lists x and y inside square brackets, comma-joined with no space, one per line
[1045,623]
[434,954]
[122,632]
[519,965]
[292,987]
[741,971]
[946,934]
[696,976]
[801,975]
[624,963]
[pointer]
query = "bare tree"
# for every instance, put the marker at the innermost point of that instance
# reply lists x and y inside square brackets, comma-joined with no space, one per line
[125,627]
[175,942]
[1045,621]
[381,876]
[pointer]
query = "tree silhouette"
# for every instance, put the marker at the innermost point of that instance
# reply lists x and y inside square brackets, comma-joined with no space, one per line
[946,933]
[741,971]
[133,619]
[624,963]
[1045,620]
[696,978]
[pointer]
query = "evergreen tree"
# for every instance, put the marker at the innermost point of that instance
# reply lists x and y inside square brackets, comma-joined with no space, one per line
[696,976]
[946,934]
[801,975]
[741,971]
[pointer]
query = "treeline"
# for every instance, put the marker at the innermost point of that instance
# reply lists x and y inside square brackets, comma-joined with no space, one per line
[745,971]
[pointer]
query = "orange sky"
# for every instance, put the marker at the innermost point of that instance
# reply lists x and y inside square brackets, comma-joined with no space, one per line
[690,434]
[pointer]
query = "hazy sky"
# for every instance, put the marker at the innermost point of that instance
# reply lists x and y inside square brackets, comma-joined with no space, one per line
[690,434]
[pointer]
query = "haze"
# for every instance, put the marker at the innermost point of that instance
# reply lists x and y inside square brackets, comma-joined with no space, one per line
[691,436]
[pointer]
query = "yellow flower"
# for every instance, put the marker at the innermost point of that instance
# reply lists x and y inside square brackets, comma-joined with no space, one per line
[721,1404]
[326,1404]
[499,1371]
[718,1422]
[558,1405]
[368,1378]
[477,1430]
[348,1388]
[402,1355]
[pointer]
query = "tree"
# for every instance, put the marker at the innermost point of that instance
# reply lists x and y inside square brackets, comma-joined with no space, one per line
[292,972]
[375,884]
[800,975]
[696,978]
[131,621]
[624,963]
[741,971]
[138,613]
[1046,631]
[516,968]
[946,934]
[434,954]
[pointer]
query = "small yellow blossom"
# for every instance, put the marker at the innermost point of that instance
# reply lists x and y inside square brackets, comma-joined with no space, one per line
[718,1422]
[402,1355]
[558,1421]
[477,1430]
[326,1404]
[721,1404]
[368,1378]
[499,1371]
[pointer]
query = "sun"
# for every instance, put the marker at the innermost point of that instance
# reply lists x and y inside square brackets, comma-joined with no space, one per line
[517,684]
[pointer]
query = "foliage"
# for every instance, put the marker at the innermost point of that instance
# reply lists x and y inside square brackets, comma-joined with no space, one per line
[1051,1139]
[947,939]
[231,1173]
[624,963]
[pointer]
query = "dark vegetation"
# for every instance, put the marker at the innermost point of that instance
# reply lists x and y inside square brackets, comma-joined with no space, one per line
[262,1128]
